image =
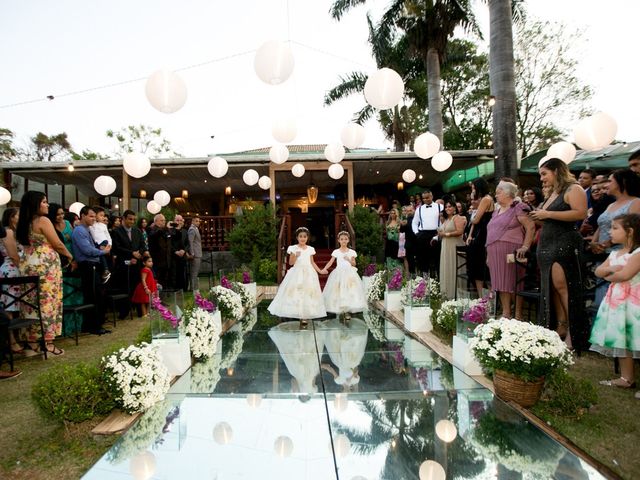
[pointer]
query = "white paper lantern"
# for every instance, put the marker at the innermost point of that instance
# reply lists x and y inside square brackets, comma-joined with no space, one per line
[441,161]
[384,89]
[143,466]
[250,177]
[166,91]
[284,130]
[278,154]
[298,170]
[446,431]
[264,182]
[430,470]
[426,145]
[254,400]
[222,433]
[153,207]
[75,207]
[136,164]
[342,445]
[334,152]
[162,198]
[336,171]
[595,132]
[5,196]
[283,446]
[565,151]
[542,160]
[218,167]
[341,402]
[104,185]
[274,62]
[352,135]
[408,175]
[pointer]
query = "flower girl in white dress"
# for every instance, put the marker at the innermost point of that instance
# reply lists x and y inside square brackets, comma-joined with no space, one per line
[299,295]
[344,291]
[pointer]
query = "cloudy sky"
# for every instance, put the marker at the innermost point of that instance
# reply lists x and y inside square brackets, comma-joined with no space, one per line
[72,46]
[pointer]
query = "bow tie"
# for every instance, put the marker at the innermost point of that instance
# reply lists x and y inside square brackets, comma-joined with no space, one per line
[429,206]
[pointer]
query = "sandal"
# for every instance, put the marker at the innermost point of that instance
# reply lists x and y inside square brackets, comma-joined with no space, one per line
[618,382]
[55,350]
[16,349]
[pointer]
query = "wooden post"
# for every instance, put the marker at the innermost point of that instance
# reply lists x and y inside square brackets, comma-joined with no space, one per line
[272,189]
[350,189]
[126,193]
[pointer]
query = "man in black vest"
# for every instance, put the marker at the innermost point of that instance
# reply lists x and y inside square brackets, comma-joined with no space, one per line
[425,223]
[128,248]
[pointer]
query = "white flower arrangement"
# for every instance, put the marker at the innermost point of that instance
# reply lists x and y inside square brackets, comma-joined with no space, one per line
[232,347]
[246,297]
[434,287]
[375,324]
[206,375]
[248,321]
[137,376]
[203,331]
[446,316]
[519,348]
[377,286]
[228,302]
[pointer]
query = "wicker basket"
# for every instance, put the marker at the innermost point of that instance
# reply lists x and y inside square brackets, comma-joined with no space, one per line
[511,388]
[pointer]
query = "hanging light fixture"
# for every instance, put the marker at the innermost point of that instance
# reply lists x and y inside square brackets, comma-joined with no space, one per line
[143,194]
[185,194]
[400,186]
[312,193]
[227,191]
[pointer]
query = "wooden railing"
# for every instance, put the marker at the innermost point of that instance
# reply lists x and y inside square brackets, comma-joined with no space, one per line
[214,230]
[284,239]
[342,223]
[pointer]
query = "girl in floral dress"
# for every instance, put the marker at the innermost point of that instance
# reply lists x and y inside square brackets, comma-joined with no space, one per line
[616,331]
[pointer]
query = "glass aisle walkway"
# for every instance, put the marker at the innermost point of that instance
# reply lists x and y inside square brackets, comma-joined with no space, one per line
[354,402]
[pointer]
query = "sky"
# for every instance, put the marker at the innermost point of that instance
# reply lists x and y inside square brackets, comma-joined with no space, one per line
[66,46]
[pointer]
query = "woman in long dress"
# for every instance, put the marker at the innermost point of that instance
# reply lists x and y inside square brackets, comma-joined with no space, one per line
[450,233]
[41,246]
[9,269]
[477,239]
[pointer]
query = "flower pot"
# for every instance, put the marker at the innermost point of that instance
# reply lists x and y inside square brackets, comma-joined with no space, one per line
[463,358]
[392,300]
[511,388]
[416,353]
[366,281]
[253,290]
[417,319]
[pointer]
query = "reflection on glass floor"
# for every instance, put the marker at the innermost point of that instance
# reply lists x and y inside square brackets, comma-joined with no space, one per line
[357,401]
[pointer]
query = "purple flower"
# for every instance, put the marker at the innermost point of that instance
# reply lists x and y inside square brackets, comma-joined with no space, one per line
[370,270]
[420,291]
[164,311]
[246,278]
[224,282]
[396,280]
[477,313]
[204,304]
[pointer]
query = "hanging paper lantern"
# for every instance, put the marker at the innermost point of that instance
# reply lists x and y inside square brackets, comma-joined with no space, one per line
[278,154]
[446,431]
[565,151]
[143,466]
[218,167]
[250,177]
[384,89]
[336,171]
[408,175]
[542,160]
[334,152]
[352,135]
[162,198]
[441,161]
[284,130]
[426,145]
[104,185]
[5,195]
[297,170]
[274,62]
[222,433]
[136,164]
[341,402]
[153,207]
[595,132]
[264,182]
[75,207]
[166,91]
[254,400]
[342,445]
[430,470]
[283,446]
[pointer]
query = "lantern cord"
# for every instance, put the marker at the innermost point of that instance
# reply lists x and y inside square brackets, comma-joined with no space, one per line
[329,54]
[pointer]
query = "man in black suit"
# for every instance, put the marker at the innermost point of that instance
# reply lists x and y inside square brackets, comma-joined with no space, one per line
[128,248]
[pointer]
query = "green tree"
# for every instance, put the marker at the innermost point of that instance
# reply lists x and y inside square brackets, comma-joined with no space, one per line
[87,155]
[143,139]
[7,152]
[366,225]
[254,236]
[46,148]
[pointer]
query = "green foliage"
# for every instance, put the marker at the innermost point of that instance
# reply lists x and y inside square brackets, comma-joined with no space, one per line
[145,335]
[368,230]
[47,148]
[7,152]
[143,139]
[254,235]
[88,155]
[267,271]
[566,396]
[72,393]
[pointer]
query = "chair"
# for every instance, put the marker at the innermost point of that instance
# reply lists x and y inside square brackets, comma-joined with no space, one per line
[30,285]
[74,310]
[118,295]
[207,257]
[528,281]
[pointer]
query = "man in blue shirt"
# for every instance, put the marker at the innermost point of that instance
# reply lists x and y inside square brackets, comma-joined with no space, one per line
[88,256]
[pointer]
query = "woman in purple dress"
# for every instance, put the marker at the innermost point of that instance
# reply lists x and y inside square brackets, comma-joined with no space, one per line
[510,230]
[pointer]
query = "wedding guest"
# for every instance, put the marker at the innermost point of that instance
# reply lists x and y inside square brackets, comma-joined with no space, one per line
[128,249]
[425,226]
[533,197]
[585,180]
[450,233]
[143,224]
[160,248]
[391,245]
[634,162]
[9,269]
[195,252]
[409,240]
[179,247]
[477,238]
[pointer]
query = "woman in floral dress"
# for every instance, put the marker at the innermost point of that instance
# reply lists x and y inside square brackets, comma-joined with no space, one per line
[41,246]
[9,269]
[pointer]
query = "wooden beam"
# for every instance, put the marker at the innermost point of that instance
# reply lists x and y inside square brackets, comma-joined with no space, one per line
[126,192]
[272,189]
[350,189]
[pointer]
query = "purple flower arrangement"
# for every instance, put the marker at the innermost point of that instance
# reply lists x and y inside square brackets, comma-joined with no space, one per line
[370,270]
[164,312]
[421,375]
[420,292]
[203,303]
[224,282]
[396,280]
[478,313]
[246,277]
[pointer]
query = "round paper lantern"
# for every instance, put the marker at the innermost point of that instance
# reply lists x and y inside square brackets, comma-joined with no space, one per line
[278,154]
[441,161]
[264,182]
[384,89]
[297,170]
[341,402]
[336,171]
[218,167]
[254,400]
[162,198]
[565,151]
[342,445]
[426,145]
[136,164]
[5,196]
[352,135]
[166,91]
[75,207]
[104,185]
[542,160]
[143,466]
[283,446]
[595,132]
[334,152]
[250,177]
[446,431]
[408,175]
[284,130]
[153,207]
[222,433]
[430,470]
[274,62]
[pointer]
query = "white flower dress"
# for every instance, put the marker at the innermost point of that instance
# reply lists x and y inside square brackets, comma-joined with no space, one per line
[344,291]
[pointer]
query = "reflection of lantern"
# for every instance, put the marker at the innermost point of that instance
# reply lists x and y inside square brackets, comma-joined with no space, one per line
[166,91]
[336,171]
[342,445]
[153,207]
[430,470]
[565,151]
[222,433]
[75,207]
[254,400]
[297,170]
[162,198]
[441,161]
[104,185]
[250,177]
[278,154]
[334,152]
[446,431]
[595,132]
[384,89]
[312,193]
[218,167]
[283,446]
[341,402]
[284,130]
[408,175]
[136,164]
[273,62]
[143,466]
[264,182]
[352,135]
[400,186]
[426,145]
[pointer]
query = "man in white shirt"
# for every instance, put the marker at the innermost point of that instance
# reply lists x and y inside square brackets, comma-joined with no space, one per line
[425,224]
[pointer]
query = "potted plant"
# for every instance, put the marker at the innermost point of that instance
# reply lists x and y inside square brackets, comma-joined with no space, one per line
[376,288]
[367,274]
[415,298]
[393,292]
[248,281]
[469,317]
[520,355]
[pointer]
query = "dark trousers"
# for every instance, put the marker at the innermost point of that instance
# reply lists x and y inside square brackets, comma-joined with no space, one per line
[4,337]
[428,253]
[410,251]
[93,292]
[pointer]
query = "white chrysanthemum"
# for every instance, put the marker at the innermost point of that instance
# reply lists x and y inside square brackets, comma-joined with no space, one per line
[376,286]
[228,302]
[203,332]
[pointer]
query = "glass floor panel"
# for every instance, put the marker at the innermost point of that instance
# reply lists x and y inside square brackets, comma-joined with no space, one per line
[351,401]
